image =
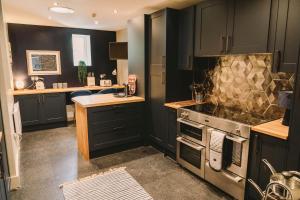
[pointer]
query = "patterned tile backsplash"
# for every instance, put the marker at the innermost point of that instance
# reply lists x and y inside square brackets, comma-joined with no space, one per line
[246,82]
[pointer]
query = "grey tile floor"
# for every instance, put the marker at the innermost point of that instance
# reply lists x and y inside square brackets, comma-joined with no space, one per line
[50,158]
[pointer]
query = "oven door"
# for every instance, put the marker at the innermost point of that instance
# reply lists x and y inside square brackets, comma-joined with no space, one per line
[192,131]
[235,153]
[239,155]
[191,156]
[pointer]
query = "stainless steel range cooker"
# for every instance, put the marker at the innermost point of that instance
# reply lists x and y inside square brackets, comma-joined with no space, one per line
[195,125]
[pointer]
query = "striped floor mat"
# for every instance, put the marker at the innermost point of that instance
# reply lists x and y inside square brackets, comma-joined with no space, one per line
[116,184]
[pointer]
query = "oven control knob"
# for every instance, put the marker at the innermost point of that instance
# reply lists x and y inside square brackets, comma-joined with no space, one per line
[237,130]
[184,115]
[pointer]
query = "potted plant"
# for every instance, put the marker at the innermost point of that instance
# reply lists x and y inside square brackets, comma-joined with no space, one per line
[82,72]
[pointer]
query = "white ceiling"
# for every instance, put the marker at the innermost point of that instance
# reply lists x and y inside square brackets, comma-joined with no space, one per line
[36,12]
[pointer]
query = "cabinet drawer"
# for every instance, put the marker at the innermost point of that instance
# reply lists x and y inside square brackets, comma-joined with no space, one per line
[113,137]
[98,128]
[114,112]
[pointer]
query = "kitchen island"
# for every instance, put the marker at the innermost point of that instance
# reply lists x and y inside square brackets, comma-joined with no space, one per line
[107,122]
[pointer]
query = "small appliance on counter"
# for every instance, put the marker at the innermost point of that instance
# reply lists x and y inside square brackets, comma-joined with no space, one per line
[105,82]
[285,101]
[39,84]
[91,81]
[131,84]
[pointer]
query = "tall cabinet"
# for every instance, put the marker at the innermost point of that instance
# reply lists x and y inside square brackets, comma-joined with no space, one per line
[162,70]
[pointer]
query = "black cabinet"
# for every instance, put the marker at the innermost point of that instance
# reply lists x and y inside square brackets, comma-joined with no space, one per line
[264,147]
[115,125]
[162,80]
[186,22]
[248,26]
[232,26]
[171,129]
[54,107]
[30,109]
[157,74]
[287,35]
[42,109]
[210,28]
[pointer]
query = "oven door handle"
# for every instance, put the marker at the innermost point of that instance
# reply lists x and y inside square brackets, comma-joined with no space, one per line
[236,179]
[238,140]
[200,126]
[197,147]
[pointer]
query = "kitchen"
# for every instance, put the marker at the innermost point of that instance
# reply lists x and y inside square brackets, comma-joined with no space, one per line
[160,100]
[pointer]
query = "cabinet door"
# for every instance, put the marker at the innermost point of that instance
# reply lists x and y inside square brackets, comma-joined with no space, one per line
[275,151]
[287,36]
[186,38]
[53,107]
[30,109]
[248,26]
[211,23]
[172,129]
[157,75]
[264,147]
[253,163]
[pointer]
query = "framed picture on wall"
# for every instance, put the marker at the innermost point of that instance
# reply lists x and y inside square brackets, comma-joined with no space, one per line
[40,62]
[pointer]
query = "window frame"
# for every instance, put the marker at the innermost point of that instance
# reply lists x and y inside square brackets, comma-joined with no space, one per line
[87,51]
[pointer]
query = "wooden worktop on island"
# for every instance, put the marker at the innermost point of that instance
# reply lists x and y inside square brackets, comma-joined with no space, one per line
[273,128]
[58,90]
[104,100]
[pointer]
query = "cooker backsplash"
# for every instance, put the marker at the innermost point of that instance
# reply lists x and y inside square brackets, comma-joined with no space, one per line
[246,82]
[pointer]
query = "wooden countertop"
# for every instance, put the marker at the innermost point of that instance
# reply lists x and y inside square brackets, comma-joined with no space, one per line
[57,90]
[104,100]
[273,128]
[180,104]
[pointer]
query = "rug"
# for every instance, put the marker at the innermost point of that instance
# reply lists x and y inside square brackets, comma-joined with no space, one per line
[116,184]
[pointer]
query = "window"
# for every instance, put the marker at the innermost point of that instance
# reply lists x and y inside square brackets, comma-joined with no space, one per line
[81,49]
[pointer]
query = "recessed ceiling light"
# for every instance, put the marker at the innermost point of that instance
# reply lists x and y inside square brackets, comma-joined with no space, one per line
[49,17]
[55,4]
[61,9]
[115,11]
[96,22]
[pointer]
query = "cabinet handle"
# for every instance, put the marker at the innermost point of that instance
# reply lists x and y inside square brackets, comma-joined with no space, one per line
[117,107]
[228,43]
[223,44]
[163,78]
[256,144]
[43,98]
[118,128]
[163,61]
[276,61]
[190,61]
[39,99]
